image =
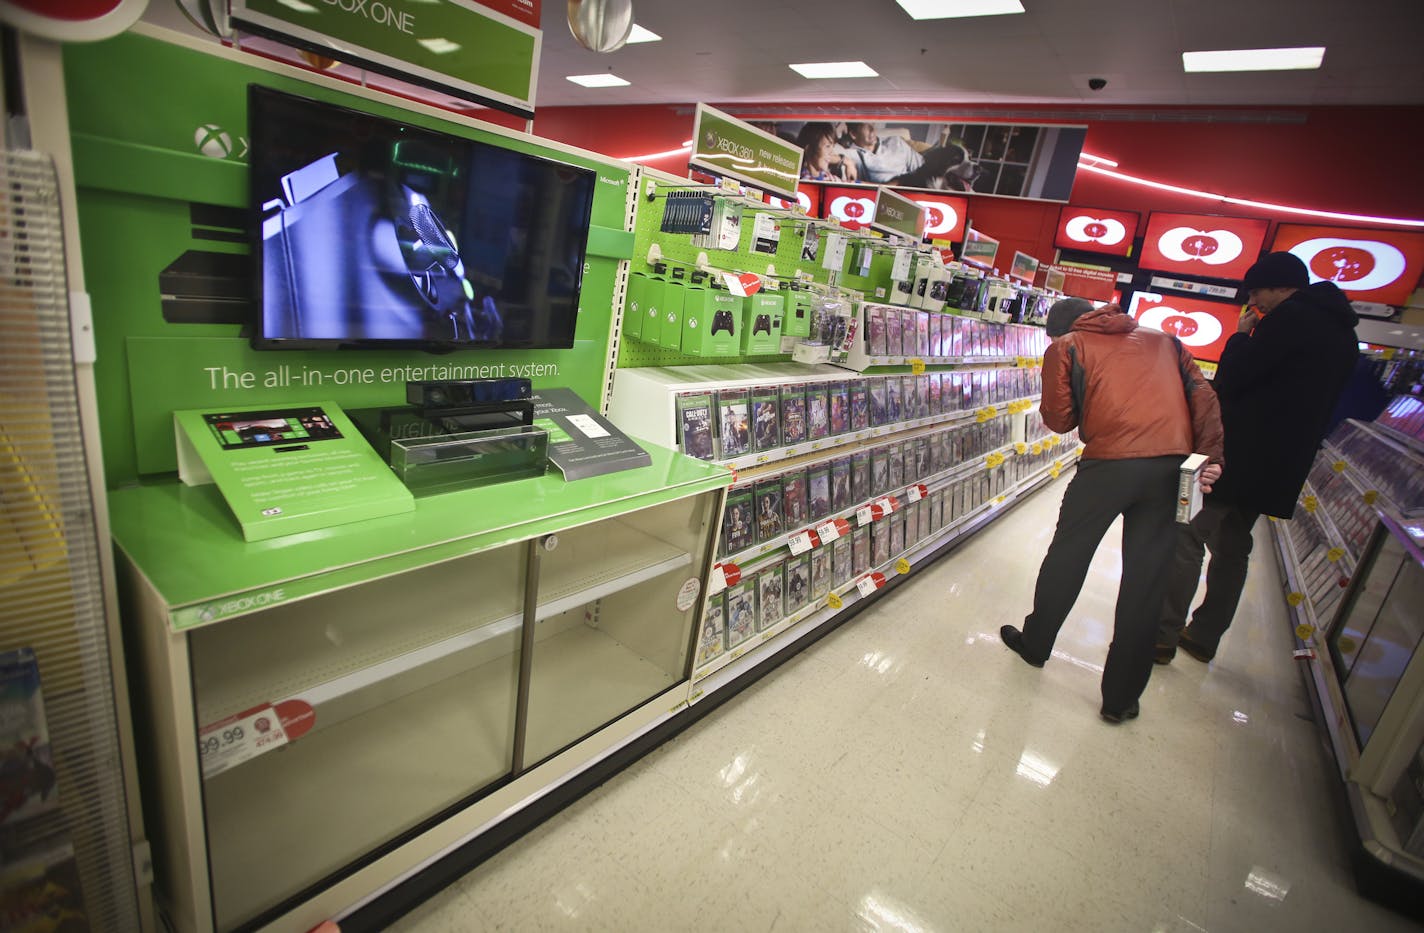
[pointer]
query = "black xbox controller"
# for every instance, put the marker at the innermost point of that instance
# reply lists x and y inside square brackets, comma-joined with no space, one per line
[762,325]
[723,321]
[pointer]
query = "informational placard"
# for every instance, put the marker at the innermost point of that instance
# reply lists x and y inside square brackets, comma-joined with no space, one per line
[287,470]
[1200,288]
[1054,279]
[724,145]
[897,214]
[478,51]
[979,248]
[583,443]
[945,214]
[1095,283]
[1023,267]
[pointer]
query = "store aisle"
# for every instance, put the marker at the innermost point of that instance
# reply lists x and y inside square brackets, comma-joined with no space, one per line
[909,773]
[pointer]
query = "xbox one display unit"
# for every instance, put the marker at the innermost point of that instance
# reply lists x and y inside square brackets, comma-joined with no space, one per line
[466,392]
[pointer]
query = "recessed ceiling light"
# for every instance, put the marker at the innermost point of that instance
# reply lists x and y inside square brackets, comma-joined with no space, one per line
[944,9]
[639,34]
[1254,59]
[599,80]
[835,70]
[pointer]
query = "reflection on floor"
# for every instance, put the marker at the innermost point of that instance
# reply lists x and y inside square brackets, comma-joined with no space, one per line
[909,773]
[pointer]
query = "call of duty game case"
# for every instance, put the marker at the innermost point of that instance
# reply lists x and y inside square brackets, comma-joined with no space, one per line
[694,412]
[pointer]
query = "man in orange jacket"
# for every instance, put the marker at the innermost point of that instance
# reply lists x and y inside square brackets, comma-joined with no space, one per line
[1140,406]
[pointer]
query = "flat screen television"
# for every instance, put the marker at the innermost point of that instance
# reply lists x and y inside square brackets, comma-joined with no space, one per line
[374,233]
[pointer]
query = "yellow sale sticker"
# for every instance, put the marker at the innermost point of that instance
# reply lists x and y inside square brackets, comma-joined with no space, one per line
[1334,554]
[1304,630]
[1309,503]
[1338,466]
[1020,448]
[1295,599]
[902,566]
[1037,448]
[834,601]
[1370,497]
[917,368]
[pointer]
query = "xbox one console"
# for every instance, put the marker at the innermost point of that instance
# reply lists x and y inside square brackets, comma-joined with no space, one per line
[466,393]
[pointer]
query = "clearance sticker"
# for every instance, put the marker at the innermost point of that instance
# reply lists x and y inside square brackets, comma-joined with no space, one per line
[1304,630]
[1338,466]
[917,367]
[1295,599]
[1309,503]
[834,601]
[902,566]
[1370,496]
[1334,554]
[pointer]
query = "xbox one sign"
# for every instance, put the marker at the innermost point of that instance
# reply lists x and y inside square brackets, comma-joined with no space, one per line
[215,142]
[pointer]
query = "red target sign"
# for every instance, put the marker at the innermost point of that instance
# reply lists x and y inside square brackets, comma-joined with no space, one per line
[944,214]
[1202,244]
[1096,230]
[854,207]
[1202,326]
[1369,265]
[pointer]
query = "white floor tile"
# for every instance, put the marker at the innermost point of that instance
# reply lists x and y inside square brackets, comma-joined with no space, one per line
[907,772]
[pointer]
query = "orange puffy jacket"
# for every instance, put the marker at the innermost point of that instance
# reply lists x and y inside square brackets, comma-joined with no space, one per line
[1130,391]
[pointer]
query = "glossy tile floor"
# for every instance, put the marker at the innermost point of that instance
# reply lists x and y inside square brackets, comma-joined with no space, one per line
[909,773]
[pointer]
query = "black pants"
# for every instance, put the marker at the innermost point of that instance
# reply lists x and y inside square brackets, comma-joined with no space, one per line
[1225,530]
[1144,493]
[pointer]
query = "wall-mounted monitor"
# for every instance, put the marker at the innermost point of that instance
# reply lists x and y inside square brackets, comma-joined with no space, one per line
[1203,245]
[376,233]
[1368,265]
[854,207]
[1096,230]
[945,214]
[1202,326]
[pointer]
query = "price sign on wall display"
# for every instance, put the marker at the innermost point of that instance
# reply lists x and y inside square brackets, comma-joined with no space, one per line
[1202,326]
[979,248]
[944,214]
[1096,230]
[1202,244]
[1368,265]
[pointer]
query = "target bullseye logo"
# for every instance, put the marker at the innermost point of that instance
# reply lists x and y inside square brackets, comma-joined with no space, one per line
[944,216]
[1201,326]
[1088,229]
[1213,247]
[853,211]
[1354,265]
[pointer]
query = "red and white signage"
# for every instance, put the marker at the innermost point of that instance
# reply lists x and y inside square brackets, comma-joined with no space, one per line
[945,214]
[1202,244]
[854,207]
[1097,230]
[72,20]
[1202,326]
[808,197]
[1368,265]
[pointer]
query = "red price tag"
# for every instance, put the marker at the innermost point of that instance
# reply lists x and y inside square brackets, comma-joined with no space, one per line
[732,573]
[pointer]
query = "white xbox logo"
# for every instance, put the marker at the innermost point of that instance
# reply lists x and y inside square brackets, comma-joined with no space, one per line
[215,143]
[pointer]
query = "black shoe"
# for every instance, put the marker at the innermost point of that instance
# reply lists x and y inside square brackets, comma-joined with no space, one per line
[1014,639]
[1194,649]
[1119,718]
[1163,654]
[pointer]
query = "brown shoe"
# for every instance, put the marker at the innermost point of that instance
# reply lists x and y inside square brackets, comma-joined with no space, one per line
[1163,654]
[1194,649]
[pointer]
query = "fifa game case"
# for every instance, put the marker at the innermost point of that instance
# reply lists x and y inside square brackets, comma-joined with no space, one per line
[860,550]
[694,412]
[798,583]
[875,330]
[892,332]
[818,491]
[738,529]
[741,612]
[768,508]
[879,414]
[771,587]
[735,421]
[766,417]
[793,499]
[793,414]
[820,572]
[839,407]
[840,562]
[860,476]
[817,416]
[859,405]
[840,484]
[713,640]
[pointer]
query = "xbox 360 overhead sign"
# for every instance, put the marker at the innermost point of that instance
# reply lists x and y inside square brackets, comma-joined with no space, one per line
[464,48]
[724,145]
[897,214]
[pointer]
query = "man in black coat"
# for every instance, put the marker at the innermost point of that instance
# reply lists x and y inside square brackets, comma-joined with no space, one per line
[1279,379]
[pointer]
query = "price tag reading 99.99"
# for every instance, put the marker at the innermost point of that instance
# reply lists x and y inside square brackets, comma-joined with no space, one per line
[235,739]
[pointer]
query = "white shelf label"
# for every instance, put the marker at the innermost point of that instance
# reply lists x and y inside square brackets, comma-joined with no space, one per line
[587,425]
[827,532]
[238,738]
[864,515]
[800,543]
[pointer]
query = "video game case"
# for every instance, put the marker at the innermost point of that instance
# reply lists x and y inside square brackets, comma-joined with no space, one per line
[922,395]
[738,526]
[860,550]
[874,330]
[879,411]
[794,502]
[897,532]
[734,423]
[696,434]
[859,405]
[910,397]
[893,396]
[936,395]
[860,476]
[840,484]
[923,469]
[820,572]
[880,543]
[1189,494]
[922,333]
[793,414]
[893,331]
[841,571]
[818,491]
[897,467]
[769,512]
[798,583]
[818,421]
[713,640]
[879,470]
[839,405]
[936,344]
[741,612]
[28,764]
[771,592]
[766,417]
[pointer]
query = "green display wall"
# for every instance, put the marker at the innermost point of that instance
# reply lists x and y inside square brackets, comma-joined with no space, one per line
[160,156]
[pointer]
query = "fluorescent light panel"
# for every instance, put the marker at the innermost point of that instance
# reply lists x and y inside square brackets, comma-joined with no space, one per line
[945,9]
[598,80]
[1297,59]
[835,70]
[639,34]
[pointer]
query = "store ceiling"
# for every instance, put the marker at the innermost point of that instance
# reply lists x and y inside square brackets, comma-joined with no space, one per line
[737,51]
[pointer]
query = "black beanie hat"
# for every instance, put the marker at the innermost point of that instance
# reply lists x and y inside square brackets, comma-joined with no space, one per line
[1063,313]
[1277,270]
